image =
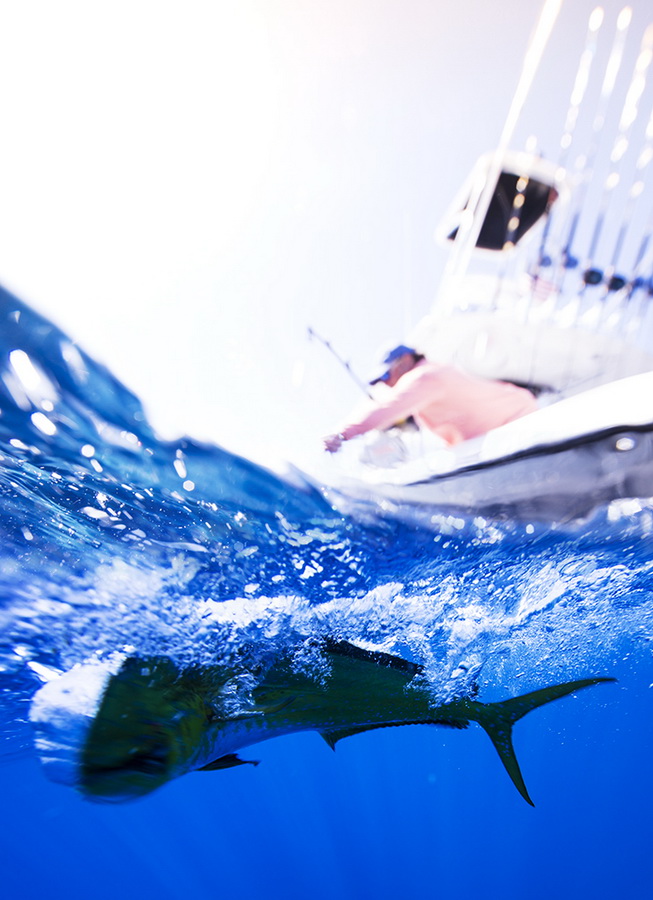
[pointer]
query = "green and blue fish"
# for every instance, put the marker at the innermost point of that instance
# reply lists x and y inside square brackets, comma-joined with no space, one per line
[118,735]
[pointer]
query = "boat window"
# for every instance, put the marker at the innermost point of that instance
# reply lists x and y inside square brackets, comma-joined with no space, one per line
[516,205]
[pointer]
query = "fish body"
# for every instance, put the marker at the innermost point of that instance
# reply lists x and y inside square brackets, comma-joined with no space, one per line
[155,722]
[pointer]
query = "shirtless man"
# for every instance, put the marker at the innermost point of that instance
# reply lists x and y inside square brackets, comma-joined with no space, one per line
[449,402]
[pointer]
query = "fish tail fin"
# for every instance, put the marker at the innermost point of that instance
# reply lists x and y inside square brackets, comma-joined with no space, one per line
[498,719]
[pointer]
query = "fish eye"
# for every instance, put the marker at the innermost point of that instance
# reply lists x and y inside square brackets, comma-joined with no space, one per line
[211,713]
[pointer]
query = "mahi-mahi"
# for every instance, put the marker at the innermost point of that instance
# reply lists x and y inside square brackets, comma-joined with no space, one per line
[133,730]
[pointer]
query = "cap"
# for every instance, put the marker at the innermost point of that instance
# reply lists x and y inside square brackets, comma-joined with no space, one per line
[390,357]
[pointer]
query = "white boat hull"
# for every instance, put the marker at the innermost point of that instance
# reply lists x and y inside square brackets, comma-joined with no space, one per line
[557,465]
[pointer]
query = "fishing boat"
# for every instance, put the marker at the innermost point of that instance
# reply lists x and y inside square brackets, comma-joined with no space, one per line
[549,286]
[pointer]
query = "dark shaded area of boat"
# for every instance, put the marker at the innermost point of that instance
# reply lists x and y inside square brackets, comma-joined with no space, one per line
[554,483]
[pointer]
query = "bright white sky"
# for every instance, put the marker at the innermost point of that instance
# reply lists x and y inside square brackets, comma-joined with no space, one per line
[186,187]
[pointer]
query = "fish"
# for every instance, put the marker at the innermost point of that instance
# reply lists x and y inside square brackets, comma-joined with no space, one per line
[119,735]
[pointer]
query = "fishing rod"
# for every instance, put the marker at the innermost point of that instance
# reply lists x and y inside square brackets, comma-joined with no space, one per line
[635,300]
[545,256]
[578,91]
[614,282]
[346,365]
[639,283]
[583,169]
[633,294]
[585,162]
[642,258]
[592,275]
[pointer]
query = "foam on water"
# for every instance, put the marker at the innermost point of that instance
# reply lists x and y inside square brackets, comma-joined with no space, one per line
[114,542]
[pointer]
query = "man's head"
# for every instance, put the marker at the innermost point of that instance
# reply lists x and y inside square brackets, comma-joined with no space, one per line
[399,360]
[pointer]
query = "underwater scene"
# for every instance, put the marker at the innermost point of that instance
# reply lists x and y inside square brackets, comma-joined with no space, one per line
[167,605]
[220,676]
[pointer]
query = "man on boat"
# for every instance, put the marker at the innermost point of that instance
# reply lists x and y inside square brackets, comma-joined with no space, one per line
[450,403]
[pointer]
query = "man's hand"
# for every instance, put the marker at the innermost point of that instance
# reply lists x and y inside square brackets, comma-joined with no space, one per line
[332,442]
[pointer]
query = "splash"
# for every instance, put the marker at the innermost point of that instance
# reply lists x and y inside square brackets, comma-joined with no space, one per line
[115,542]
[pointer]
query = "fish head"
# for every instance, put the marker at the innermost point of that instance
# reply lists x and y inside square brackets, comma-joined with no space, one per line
[118,735]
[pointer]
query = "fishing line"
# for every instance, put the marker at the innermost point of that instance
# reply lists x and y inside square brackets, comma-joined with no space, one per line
[361,384]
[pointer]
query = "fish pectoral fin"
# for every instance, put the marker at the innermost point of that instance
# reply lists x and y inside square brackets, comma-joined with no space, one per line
[228,762]
[262,709]
[274,707]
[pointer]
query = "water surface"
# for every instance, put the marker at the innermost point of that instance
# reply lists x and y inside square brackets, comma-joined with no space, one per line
[114,541]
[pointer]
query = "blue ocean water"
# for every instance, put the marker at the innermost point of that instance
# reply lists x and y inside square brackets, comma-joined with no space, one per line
[116,542]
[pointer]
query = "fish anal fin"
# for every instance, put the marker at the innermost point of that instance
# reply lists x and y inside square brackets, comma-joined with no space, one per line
[333,735]
[460,724]
[227,762]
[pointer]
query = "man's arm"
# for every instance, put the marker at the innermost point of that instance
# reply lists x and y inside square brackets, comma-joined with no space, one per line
[414,391]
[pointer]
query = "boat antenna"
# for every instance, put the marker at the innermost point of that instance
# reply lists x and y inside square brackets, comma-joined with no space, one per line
[343,362]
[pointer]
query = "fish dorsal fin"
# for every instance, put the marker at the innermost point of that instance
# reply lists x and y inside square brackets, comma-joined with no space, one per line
[498,718]
[227,762]
[378,657]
